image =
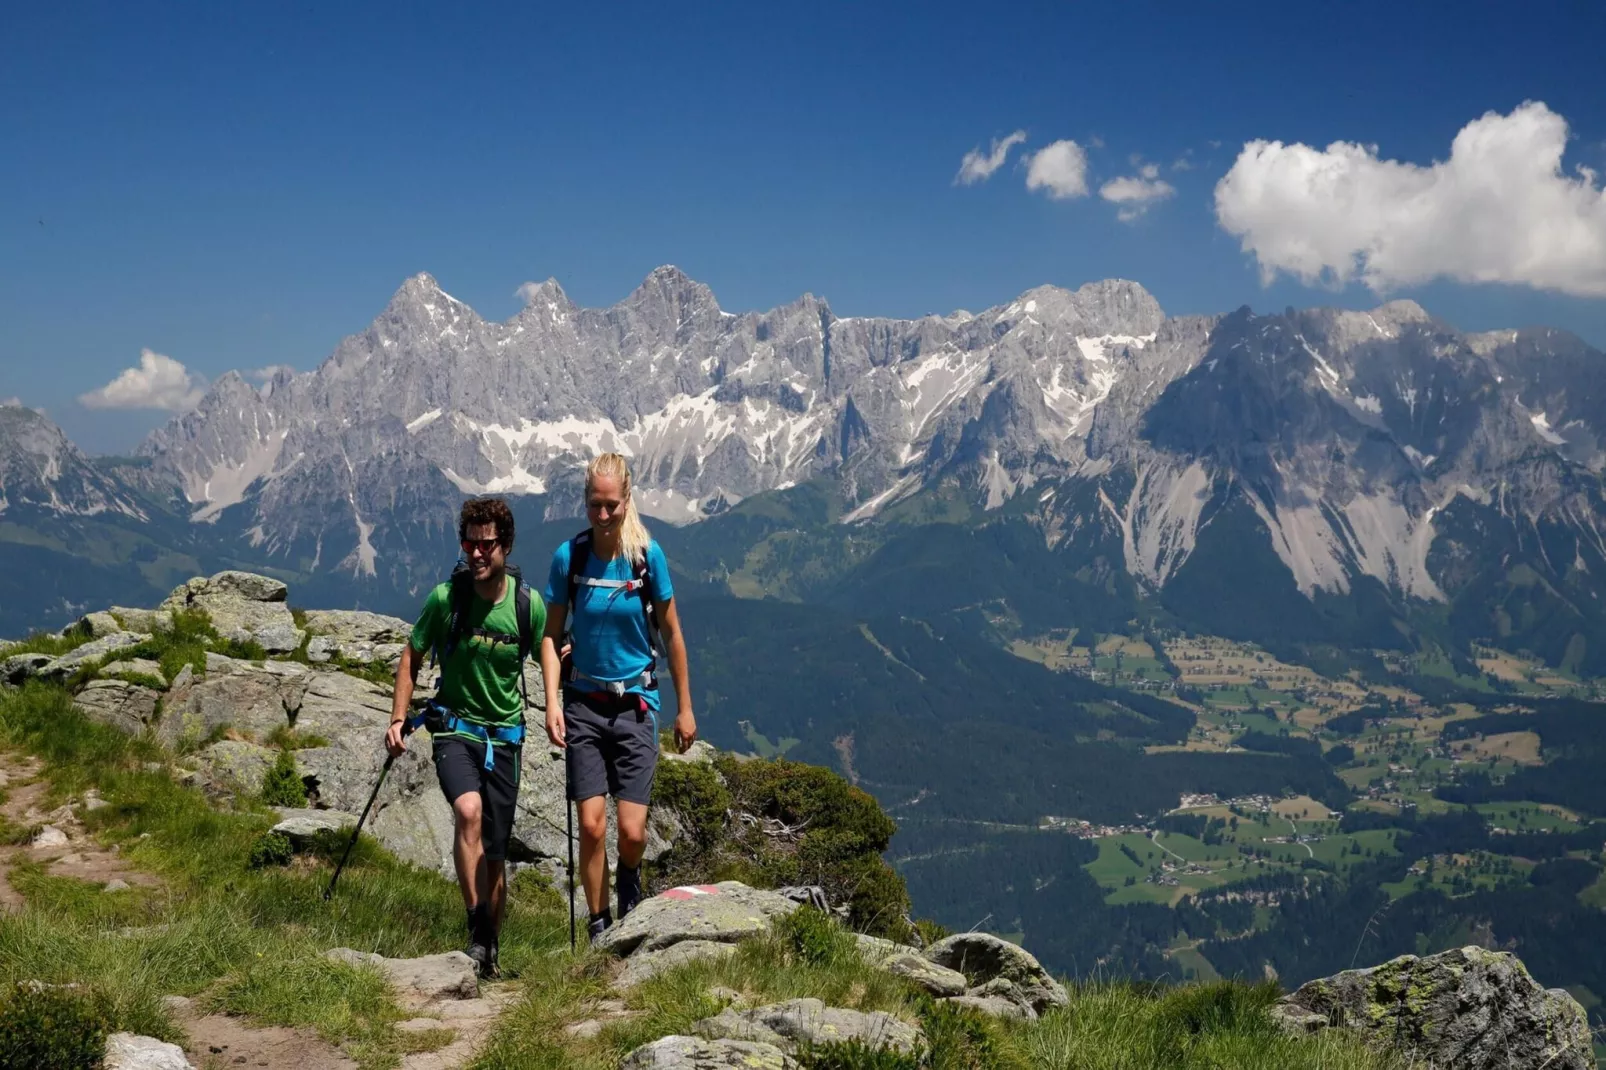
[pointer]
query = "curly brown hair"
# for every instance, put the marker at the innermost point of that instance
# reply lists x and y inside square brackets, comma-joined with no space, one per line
[487,511]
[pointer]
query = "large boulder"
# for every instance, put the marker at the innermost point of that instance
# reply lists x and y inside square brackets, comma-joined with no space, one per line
[644,965]
[695,1053]
[424,979]
[1468,1008]
[18,668]
[235,766]
[242,606]
[722,913]
[984,958]
[128,1051]
[355,635]
[97,625]
[302,826]
[143,620]
[123,705]
[802,1022]
[93,651]
[252,699]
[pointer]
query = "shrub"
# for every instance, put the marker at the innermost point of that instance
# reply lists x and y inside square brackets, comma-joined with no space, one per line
[697,795]
[46,1028]
[282,785]
[930,931]
[856,1054]
[811,935]
[270,849]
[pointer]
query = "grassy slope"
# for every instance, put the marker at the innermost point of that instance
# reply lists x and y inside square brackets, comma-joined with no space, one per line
[251,942]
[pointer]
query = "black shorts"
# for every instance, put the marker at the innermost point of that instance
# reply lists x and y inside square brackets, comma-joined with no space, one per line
[460,765]
[611,747]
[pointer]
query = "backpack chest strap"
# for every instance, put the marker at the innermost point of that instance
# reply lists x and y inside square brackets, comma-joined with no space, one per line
[628,586]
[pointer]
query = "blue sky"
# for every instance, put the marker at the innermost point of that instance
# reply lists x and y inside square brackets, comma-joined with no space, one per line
[237,186]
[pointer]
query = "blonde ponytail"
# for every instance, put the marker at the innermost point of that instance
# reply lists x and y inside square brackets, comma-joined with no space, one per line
[633,536]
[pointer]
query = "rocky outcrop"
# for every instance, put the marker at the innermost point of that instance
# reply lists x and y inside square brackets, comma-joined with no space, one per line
[1468,1008]
[120,704]
[999,970]
[355,635]
[128,1051]
[804,1022]
[648,964]
[695,1053]
[89,653]
[424,979]
[719,913]
[242,606]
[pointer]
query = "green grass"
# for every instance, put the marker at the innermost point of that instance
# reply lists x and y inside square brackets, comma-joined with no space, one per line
[45,643]
[246,941]
[253,942]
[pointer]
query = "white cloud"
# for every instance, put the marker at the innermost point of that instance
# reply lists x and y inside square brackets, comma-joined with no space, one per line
[1183,162]
[159,382]
[12,403]
[1500,209]
[1060,170]
[978,166]
[1136,193]
[262,375]
[528,291]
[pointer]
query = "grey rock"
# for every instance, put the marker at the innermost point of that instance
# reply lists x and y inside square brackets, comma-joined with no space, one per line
[301,826]
[798,1022]
[19,667]
[1296,1020]
[357,626]
[90,652]
[116,884]
[137,666]
[252,699]
[701,752]
[143,620]
[430,977]
[178,1006]
[98,625]
[585,1030]
[981,957]
[420,1025]
[695,1053]
[647,964]
[236,766]
[723,912]
[1468,1008]
[996,1006]
[50,836]
[875,949]
[241,605]
[130,707]
[937,980]
[128,1051]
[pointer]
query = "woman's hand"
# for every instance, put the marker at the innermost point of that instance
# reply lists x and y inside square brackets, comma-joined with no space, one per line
[685,729]
[554,725]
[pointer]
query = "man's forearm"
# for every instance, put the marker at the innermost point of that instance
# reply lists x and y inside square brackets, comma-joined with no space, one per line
[406,680]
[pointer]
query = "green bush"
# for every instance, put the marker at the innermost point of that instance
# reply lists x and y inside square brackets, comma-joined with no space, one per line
[931,932]
[811,935]
[960,1038]
[270,849]
[46,1028]
[879,900]
[282,785]
[855,1054]
[697,795]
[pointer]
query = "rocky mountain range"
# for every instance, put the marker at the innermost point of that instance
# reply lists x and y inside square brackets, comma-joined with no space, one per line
[1376,456]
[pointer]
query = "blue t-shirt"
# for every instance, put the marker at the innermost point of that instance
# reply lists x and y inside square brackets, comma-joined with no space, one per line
[608,626]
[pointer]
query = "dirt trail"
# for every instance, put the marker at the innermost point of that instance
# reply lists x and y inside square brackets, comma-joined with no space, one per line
[215,1041]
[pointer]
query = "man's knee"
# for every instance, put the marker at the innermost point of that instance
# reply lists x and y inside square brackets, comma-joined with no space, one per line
[469,811]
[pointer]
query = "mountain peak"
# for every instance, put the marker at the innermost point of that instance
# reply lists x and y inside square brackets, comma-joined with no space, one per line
[668,285]
[1107,306]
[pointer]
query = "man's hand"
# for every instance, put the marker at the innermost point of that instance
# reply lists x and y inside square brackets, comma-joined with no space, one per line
[554,725]
[395,738]
[685,729]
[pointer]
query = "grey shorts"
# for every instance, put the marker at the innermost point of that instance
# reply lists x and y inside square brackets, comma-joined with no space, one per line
[612,747]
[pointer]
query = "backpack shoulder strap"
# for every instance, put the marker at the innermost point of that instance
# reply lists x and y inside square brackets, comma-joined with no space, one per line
[521,607]
[579,553]
[462,593]
[649,605]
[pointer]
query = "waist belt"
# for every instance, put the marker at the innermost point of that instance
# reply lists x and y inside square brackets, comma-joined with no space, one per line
[438,719]
[617,688]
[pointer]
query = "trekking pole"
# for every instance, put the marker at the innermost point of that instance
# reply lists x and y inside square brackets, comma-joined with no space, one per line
[568,814]
[329,891]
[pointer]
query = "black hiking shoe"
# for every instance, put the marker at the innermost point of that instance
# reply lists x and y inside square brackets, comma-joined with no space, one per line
[598,925]
[480,954]
[481,942]
[628,890]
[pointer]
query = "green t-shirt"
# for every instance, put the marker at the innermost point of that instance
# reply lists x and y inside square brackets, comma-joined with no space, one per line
[479,678]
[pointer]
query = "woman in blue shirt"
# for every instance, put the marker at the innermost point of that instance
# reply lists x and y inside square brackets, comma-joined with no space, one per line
[609,587]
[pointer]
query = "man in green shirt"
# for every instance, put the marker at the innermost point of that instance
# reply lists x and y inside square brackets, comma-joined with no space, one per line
[476,720]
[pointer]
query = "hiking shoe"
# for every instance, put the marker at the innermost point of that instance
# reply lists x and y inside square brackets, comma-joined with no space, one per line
[598,925]
[493,968]
[481,957]
[628,890]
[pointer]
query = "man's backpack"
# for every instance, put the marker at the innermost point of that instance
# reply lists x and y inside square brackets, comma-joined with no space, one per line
[462,597]
[579,554]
